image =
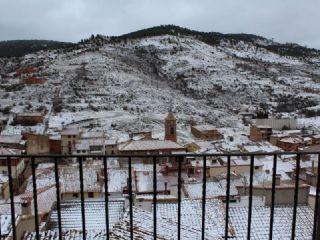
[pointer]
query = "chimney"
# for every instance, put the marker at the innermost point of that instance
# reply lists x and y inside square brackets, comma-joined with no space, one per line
[313,167]
[98,177]
[26,208]
[278,180]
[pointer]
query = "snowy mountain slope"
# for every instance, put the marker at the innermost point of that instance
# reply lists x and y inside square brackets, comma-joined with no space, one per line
[145,77]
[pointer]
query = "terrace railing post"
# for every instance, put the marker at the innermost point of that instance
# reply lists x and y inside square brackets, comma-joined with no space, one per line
[130,197]
[56,171]
[274,173]
[296,195]
[318,219]
[227,198]
[250,197]
[106,194]
[204,184]
[83,215]
[179,197]
[13,215]
[316,224]
[35,197]
[154,198]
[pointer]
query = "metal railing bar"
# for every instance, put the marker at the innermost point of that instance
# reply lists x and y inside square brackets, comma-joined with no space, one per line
[204,184]
[296,192]
[316,223]
[179,198]
[130,197]
[227,198]
[83,214]
[154,198]
[250,197]
[106,194]
[56,174]
[13,215]
[35,198]
[179,160]
[274,173]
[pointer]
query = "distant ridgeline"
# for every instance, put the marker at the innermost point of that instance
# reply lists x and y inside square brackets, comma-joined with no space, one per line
[214,38]
[18,48]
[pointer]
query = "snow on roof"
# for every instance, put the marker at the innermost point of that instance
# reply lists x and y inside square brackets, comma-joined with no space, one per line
[241,161]
[5,224]
[110,142]
[291,140]
[46,197]
[166,227]
[212,163]
[138,137]
[316,136]
[82,144]
[142,228]
[70,131]
[144,180]
[145,145]
[95,214]
[260,147]
[55,137]
[14,139]
[213,189]
[69,178]
[3,178]
[204,127]
[191,212]
[307,139]
[9,151]
[263,126]
[282,168]
[292,132]
[280,135]
[34,114]
[85,135]
[282,222]
[117,179]
[312,148]
[96,142]
[160,197]
[203,144]
[67,234]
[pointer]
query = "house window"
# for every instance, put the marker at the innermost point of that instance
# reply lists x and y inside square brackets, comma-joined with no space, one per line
[90,195]
[75,195]
[256,167]
[172,130]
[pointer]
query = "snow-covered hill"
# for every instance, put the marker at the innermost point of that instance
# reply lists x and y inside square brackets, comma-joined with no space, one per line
[140,79]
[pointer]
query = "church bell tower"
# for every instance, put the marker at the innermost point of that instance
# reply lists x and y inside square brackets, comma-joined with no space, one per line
[171,127]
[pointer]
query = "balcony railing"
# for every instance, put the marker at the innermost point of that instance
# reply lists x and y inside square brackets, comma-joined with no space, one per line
[179,160]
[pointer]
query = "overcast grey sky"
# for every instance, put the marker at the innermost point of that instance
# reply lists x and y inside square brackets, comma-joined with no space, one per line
[71,20]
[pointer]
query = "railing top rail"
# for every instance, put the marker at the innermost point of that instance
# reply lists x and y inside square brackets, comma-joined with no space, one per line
[232,154]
